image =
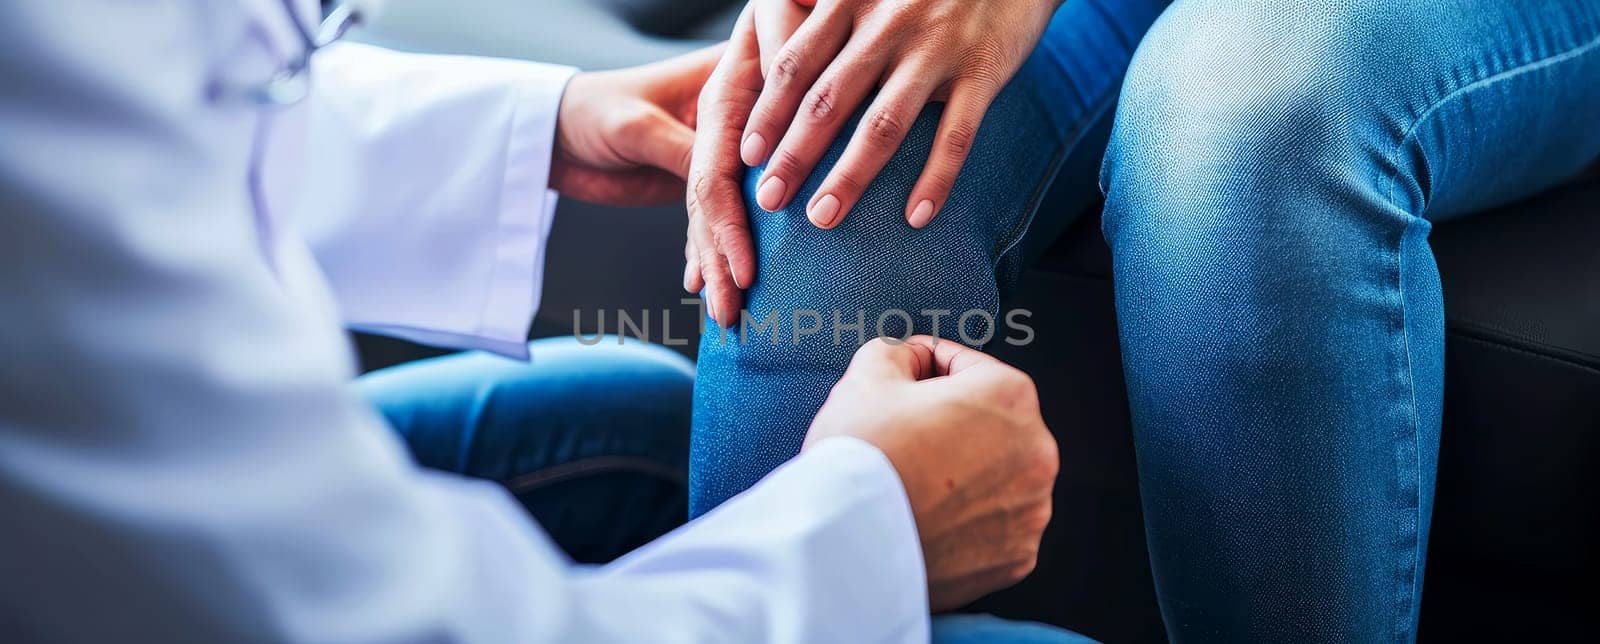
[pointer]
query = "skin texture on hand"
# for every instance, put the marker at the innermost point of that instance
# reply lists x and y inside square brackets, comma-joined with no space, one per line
[719,256]
[964,432]
[795,72]
[623,137]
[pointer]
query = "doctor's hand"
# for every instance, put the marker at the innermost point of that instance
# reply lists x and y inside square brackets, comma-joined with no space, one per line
[623,137]
[964,432]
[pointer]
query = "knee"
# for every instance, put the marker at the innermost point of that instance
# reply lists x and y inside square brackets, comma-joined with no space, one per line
[873,262]
[1255,102]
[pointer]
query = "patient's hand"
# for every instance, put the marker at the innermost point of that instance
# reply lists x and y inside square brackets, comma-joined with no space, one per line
[794,75]
[964,432]
[623,137]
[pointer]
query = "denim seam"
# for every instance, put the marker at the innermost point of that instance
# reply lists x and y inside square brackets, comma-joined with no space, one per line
[1487,81]
[1030,207]
[1402,631]
[1079,130]
[1407,630]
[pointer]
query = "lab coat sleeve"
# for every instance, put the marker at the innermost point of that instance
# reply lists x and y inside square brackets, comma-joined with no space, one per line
[182,459]
[422,190]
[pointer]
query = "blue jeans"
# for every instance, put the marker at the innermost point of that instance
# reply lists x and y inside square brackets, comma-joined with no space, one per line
[1270,181]
[574,429]
[592,439]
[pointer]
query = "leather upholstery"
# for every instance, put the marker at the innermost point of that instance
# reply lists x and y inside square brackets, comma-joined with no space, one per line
[1513,520]
[1528,277]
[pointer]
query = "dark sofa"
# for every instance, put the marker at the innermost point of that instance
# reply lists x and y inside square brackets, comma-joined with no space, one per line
[1514,527]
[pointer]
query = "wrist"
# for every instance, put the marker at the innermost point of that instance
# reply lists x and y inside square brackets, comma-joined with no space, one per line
[569,113]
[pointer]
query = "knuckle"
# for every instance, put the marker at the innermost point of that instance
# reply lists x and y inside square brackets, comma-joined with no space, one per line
[1022,569]
[724,233]
[785,67]
[942,15]
[885,128]
[822,100]
[699,193]
[847,184]
[784,161]
[1045,463]
[705,257]
[1014,384]
[1051,454]
[1037,520]
[959,138]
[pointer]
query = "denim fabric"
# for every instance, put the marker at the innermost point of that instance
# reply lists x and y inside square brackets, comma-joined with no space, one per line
[1270,181]
[988,629]
[593,440]
[758,391]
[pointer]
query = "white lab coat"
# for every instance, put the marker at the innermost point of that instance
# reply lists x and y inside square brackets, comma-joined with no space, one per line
[181,456]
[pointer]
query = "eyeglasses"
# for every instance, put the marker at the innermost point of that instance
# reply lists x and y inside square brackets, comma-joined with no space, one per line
[292,81]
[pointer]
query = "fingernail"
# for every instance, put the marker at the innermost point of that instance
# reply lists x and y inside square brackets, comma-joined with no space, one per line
[712,308]
[770,195]
[735,273]
[687,269]
[824,211]
[922,214]
[753,150]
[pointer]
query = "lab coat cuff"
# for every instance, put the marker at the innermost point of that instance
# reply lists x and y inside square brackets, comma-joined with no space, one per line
[842,544]
[527,209]
[870,468]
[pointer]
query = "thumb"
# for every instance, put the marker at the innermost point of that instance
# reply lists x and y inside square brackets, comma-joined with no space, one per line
[659,140]
[950,358]
[893,360]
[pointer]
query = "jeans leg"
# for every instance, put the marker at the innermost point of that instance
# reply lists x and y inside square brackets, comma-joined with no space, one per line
[821,293]
[1270,182]
[988,629]
[593,440]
